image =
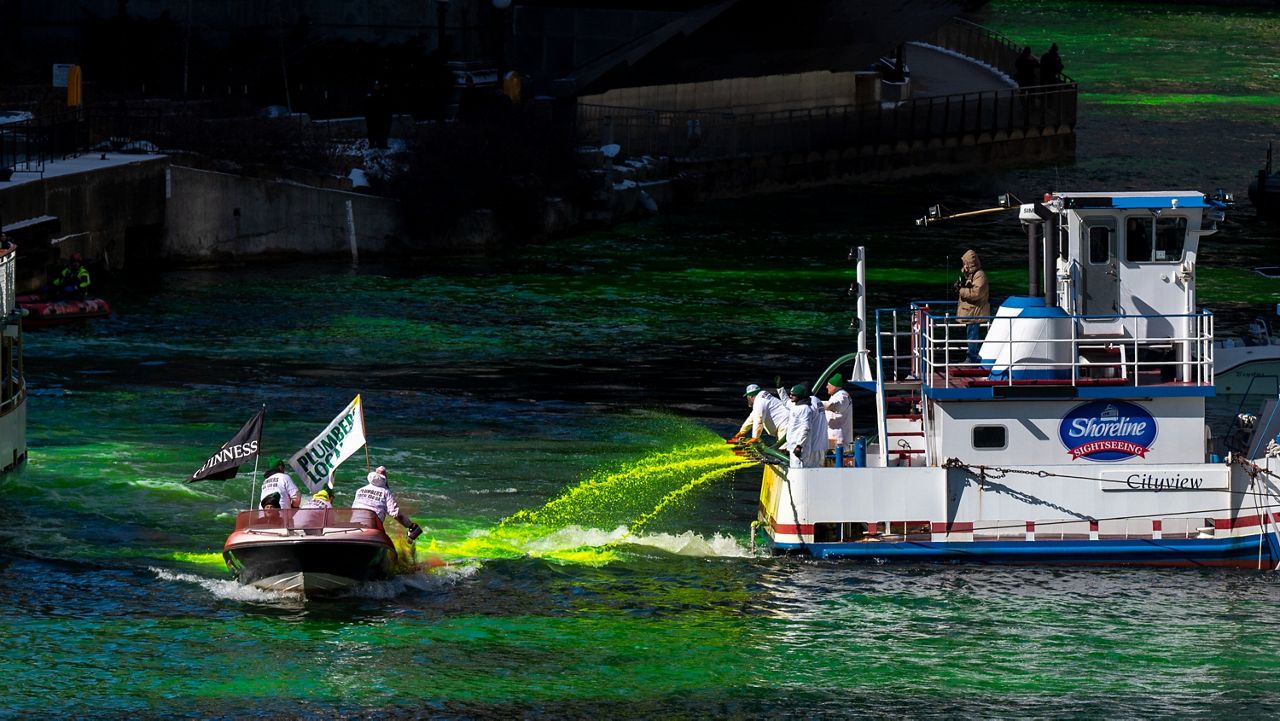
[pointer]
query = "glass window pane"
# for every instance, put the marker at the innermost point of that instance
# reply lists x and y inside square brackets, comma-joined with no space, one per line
[989,437]
[1171,233]
[1137,240]
[1099,244]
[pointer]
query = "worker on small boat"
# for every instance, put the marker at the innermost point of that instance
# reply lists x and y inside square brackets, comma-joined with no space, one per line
[974,300]
[323,498]
[281,484]
[806,431]
[839,413]
[376,496]
[768,414]
[73,281]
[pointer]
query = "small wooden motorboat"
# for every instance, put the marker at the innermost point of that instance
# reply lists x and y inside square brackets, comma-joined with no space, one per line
[312,551]
[42,312]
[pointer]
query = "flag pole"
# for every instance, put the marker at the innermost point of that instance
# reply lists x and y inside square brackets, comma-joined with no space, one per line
[366,435]
[253,478]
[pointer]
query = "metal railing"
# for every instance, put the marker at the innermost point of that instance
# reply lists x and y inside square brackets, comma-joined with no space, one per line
[928,342]
[703,136]
[983,45]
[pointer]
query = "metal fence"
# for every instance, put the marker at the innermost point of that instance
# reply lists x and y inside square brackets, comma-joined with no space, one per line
[712,136]
[26,146]
[703,136]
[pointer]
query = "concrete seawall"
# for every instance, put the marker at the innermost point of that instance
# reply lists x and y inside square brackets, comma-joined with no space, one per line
[217,217]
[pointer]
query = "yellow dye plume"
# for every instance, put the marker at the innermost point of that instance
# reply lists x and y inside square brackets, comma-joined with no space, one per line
[585,524]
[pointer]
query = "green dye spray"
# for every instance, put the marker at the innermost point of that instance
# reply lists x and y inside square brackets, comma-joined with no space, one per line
[589,520]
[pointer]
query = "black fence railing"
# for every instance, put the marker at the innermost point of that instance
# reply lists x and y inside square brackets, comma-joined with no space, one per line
[711,136]
[701,135]
[26,146]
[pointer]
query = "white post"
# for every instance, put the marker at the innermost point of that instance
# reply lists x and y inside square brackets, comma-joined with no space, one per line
[351,234]
[862,366]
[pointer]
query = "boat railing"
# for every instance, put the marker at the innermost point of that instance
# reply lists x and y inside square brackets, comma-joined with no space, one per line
[8,289]
[307,518]
[928,341]
[1134,350]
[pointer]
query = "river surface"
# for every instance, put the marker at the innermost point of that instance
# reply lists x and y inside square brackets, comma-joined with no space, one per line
[553,419]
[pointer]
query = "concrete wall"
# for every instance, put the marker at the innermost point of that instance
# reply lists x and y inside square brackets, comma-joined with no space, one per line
[216,217]
[815,89]
[101,209]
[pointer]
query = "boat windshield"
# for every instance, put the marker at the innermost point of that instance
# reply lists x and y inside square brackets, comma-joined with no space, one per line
[308,518]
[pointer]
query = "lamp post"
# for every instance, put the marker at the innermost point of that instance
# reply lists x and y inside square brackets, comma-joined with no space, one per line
[442,38]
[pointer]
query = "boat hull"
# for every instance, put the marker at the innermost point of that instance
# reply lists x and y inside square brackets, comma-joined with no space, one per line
[1239,552]
[46,314]
[307,551]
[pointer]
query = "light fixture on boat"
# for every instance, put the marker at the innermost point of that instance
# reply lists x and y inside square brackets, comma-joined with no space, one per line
[1222,197]
[934,215]
[1007,200]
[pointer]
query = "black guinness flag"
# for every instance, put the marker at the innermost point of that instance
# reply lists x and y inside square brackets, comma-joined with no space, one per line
[241,449]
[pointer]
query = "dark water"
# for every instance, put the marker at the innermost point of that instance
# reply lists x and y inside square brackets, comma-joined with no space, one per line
[598,371]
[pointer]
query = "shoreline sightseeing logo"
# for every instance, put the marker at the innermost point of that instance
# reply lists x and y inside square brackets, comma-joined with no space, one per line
[1107,431]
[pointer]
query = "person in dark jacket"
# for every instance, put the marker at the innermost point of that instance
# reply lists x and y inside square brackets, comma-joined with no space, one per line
[1026,69]
[1050,66]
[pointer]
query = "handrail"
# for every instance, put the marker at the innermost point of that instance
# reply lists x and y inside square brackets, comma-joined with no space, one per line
[1062,357]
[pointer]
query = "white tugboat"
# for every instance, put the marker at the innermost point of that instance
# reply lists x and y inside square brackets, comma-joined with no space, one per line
[1080,435]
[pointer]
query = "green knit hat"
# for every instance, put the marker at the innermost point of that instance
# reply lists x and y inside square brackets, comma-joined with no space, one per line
[836,380]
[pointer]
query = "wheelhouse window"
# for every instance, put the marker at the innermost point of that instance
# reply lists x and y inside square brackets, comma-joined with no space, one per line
[990,437]
[1137,240]
[1099,244]
[1171,235]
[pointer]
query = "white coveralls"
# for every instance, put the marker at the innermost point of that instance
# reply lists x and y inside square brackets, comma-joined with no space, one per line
[808,430]
[378,498]
[768,413]
[283,484]
[840,419]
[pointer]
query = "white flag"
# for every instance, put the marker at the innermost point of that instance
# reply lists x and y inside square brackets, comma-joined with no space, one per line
[344,436]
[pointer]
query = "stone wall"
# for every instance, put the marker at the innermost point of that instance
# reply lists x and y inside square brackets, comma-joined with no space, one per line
[217,217]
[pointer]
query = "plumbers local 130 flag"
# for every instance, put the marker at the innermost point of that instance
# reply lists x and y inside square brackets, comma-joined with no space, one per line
[344,436]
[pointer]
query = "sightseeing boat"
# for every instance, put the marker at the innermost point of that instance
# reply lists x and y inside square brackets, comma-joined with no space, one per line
[13,385]
[1079,436]
[309,550]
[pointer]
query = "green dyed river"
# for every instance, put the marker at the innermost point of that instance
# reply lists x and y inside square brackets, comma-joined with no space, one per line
[554,420]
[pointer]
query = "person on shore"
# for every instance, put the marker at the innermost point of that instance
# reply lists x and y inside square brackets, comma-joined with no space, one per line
[281,484]
[73,281]
[1026,69]
[376,496]
[974,301]
[768,415]
[1050,66]
[839,414]
[806,431]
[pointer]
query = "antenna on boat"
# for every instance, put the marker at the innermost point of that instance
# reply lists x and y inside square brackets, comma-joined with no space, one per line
[937,213]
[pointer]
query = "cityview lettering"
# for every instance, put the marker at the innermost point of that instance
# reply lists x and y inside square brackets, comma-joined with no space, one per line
[1151,482]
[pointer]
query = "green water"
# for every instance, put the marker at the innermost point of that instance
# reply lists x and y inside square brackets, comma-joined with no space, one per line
[553,419]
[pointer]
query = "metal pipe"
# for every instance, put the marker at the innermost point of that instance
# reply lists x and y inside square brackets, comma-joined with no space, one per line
[1050,262]
[1033,262]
